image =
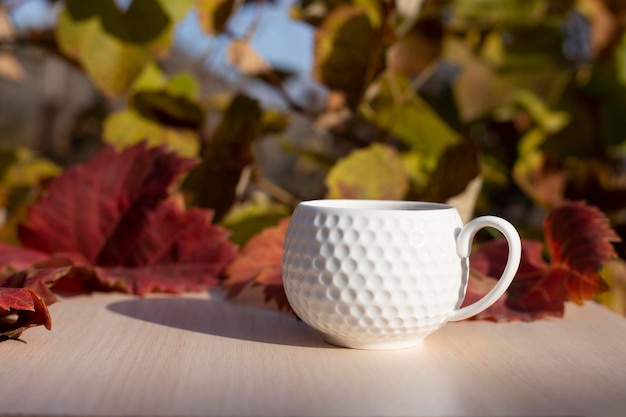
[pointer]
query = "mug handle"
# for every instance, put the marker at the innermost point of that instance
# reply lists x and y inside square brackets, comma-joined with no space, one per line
[464,247]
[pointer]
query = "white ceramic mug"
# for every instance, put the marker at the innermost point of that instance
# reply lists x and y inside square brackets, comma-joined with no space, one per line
[384,274]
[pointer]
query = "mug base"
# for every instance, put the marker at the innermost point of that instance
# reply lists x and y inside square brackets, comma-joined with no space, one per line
[375,345]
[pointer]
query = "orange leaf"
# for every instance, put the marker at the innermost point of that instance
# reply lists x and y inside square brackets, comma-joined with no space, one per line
[580,237]
[260,263]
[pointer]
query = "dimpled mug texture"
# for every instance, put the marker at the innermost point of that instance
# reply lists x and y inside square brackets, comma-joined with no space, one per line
[374,279]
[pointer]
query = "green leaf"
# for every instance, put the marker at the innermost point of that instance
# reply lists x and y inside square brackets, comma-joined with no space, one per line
[513,35]
[550,120]
[274,122]
[419,169]
[229,150]
[176,10]
[150,78]
[213,15]
[310,154]
[534,47]
[21,167]
[395,107]
[239,127]
[128,127]
[373,10]
[167,109]
[111,64]
[110,44]
[604,100]
[543,182]
[170,102]
[218,101]
[392,105]
[252,216]
[343,50]
[162,111]
[22,172]
[375,172]
[500,13]
[531,142]
[458,165]
[184,85]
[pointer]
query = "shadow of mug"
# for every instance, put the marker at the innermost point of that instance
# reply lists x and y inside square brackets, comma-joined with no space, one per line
[222,318]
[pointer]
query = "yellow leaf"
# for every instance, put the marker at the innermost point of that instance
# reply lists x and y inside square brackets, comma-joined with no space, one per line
[113,45]
[126,127]
[375,172]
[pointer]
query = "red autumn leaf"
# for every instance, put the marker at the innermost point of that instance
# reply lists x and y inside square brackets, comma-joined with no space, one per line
[260,263]
[115,218]
[478,286]
[578,243]
[30,310]
[17,258]
[24,297]
[37,279]
[191,253]
[580,237]
[488,262]
[92,210]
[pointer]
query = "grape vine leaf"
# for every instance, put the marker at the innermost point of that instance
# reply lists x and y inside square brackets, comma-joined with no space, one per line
[392,104]
[578,240]
[578,243]
[343,50]
[160,110]
[248,218]
[31,311]
[15,258]
[226,154]
[24,297]
[260,263]
[21,167]
[127,127]
[117,219]
[375,172]
[445,183]
[491,13]
[22,174]
[540,176]
[110,44]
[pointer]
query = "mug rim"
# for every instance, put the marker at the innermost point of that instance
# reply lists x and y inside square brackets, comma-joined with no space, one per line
[375,205]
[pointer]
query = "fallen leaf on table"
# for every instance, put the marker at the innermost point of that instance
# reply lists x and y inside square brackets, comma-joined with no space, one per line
[117,221]
[24,303]
[578,244]
[24,297]
[17,258]
[260,263]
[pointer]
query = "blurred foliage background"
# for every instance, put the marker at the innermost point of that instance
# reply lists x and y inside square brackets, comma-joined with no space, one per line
[507,107]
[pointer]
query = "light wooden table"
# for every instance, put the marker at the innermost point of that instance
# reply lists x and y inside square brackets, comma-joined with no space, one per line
[113,354]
